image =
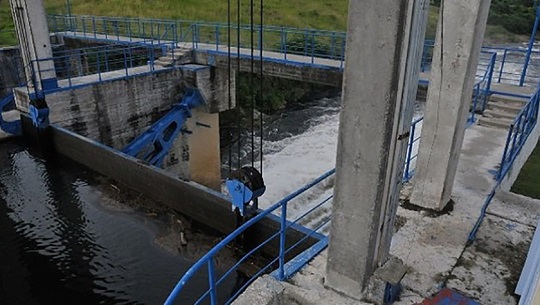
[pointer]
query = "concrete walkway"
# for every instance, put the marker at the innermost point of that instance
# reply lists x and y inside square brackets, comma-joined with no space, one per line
[433,246]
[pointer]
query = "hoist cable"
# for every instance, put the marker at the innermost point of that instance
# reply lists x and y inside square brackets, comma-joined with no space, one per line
[238,129]
[252,84]
[230,74]
[261,44]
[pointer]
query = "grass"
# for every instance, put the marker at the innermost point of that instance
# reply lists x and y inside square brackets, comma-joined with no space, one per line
[528,181]
[316,14]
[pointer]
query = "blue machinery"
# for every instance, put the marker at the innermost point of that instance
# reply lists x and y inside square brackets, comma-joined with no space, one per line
[155,143]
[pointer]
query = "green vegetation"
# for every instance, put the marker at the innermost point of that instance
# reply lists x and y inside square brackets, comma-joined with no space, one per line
[528,181]
[507,17]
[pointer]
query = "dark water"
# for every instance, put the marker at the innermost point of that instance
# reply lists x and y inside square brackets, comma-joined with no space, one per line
[58,245]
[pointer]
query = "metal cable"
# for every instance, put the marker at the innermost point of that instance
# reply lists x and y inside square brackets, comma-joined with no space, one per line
[230,74]
[251,87]
[238,130]
[261,44]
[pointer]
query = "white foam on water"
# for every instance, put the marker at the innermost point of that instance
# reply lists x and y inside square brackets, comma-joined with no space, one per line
[298,160]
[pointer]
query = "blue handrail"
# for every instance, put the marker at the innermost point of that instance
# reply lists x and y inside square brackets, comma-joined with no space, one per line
[518,133]
[208,258]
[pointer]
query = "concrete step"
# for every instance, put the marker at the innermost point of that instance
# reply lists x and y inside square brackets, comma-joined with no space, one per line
[503,107]
[176,54]
[163,63]
[499,123]
[166,59]
[491,113]
[508,100]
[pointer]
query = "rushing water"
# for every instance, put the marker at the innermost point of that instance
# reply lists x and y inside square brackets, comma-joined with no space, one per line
[300,145]
[60,245]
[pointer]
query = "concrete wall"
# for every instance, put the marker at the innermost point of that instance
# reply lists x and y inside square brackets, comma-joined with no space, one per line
[323,75]
[196,201]
[117,111]
[11,69]
[522,157]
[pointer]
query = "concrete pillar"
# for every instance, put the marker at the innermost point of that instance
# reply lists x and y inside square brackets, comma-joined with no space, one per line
[197,156]
[458,43]
[383,53]
[33,34]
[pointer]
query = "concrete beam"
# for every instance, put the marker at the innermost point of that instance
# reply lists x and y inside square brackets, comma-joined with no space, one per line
[460,33]
[384,42]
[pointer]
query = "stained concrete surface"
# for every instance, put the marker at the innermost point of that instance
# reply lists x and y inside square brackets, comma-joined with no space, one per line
[433,246]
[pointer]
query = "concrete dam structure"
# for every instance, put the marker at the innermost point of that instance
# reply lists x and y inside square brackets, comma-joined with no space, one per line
[410,205]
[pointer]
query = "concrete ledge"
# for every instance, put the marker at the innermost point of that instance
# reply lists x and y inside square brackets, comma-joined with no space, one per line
[264,291]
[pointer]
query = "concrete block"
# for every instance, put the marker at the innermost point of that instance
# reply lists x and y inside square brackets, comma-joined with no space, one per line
[385,282]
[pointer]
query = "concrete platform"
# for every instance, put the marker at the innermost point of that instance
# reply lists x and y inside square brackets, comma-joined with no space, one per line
[434,247]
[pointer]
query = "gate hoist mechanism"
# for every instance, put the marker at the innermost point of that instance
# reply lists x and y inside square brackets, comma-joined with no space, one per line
[245,186]
[154,144]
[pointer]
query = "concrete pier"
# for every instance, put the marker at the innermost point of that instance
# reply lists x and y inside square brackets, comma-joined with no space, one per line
[33,33]
[367,143]
[458,43]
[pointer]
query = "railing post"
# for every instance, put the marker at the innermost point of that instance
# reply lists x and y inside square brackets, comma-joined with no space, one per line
[286,46]
[106,60]
[212,282]
[332,45]
[409,152]
[105,28]
[282,241]
[94,26]
[129,30]
[260,38]
[312,47]
[125,62]
[502,64]
[306,37]
[475,103]
[217,37]
[152,59]
[343,42]
[529,48]
[503,161]
[281,41]
[98,66]
[68,70]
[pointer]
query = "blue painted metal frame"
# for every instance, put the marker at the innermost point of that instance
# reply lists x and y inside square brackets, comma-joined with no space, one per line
[518,133]
[155,143]
[284,271]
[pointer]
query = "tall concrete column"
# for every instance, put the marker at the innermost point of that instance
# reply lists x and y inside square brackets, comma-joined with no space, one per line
[460,33]
[33,34]
[383,53]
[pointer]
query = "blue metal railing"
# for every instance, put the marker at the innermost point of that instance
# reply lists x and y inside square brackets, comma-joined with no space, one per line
[509,66]
[285,267]
[519,132]
[99,61]
[283,271]
[412,149]
[317,45]
[482,87]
